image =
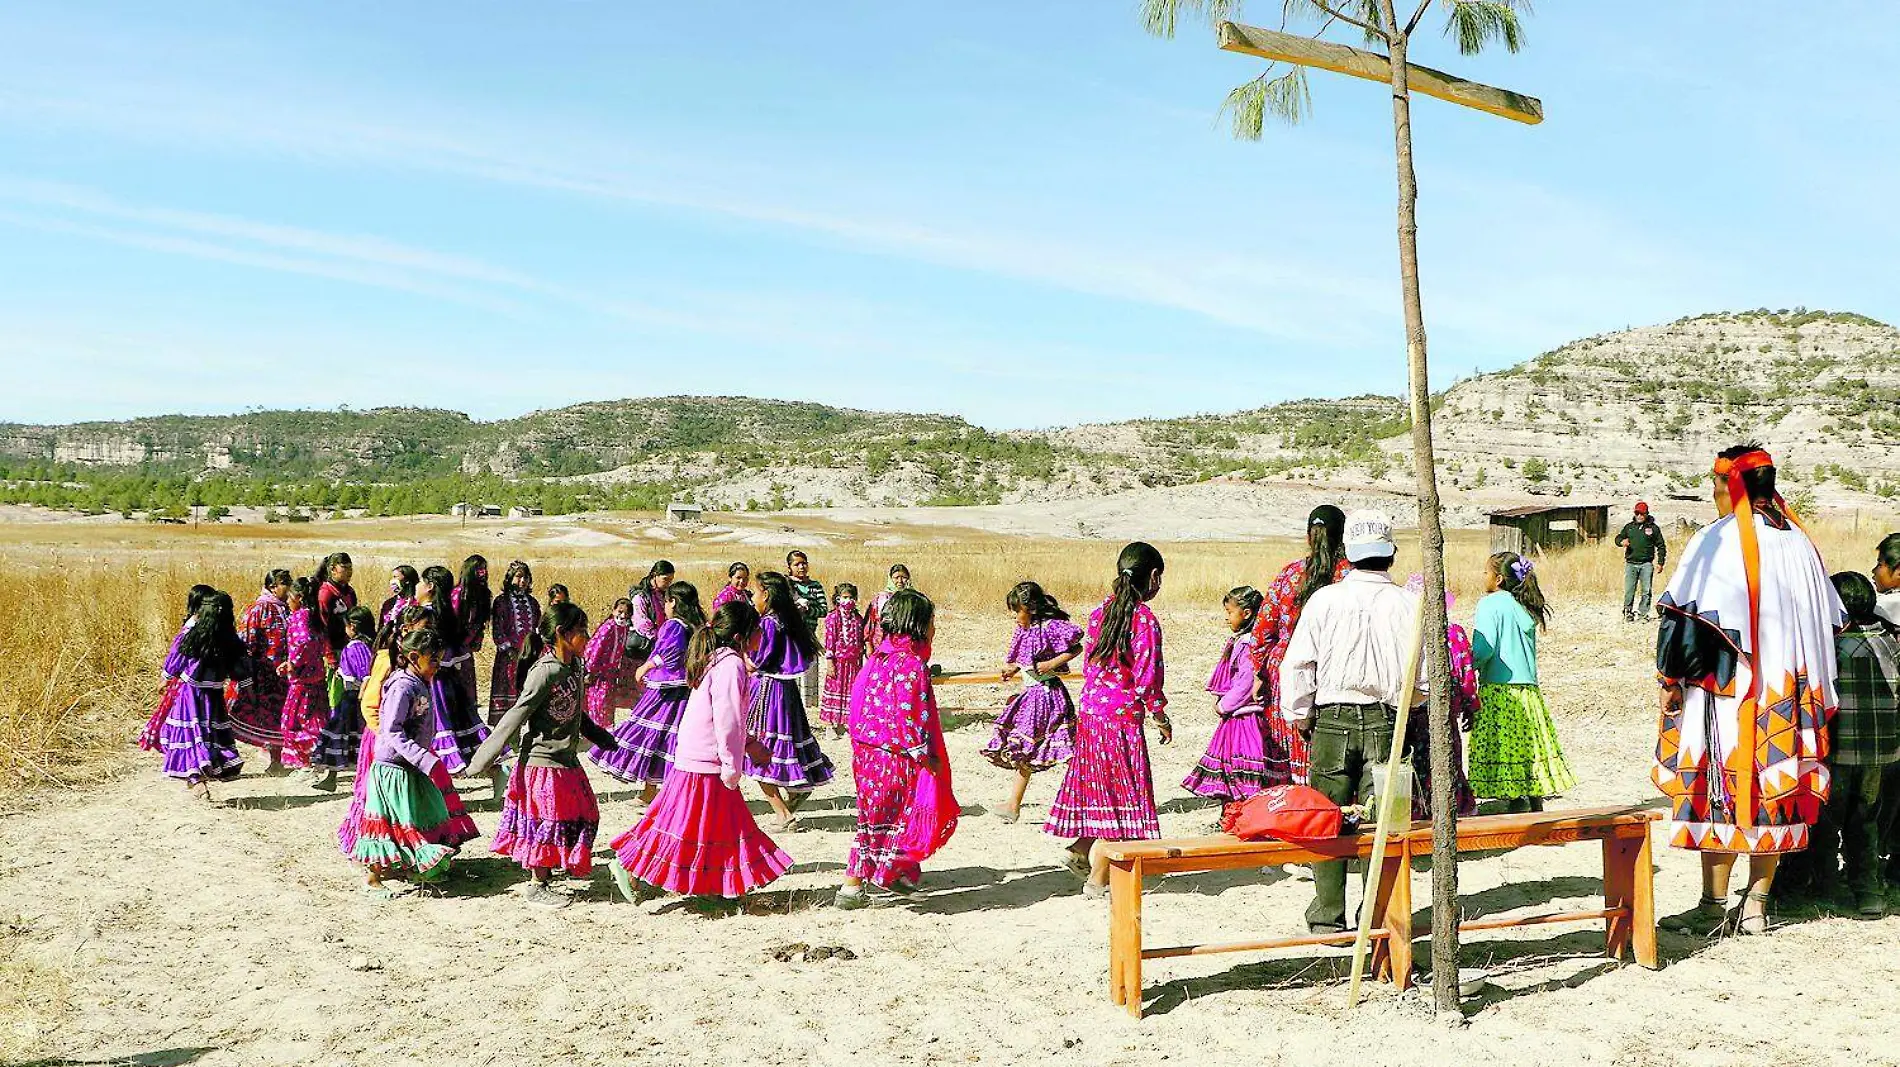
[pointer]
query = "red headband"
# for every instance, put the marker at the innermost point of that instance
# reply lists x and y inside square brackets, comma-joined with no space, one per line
[1742,464]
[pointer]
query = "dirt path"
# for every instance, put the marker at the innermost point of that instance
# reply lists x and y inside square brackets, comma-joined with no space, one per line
[235,934]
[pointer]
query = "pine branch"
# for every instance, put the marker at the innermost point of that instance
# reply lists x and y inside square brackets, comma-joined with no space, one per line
[1418,16]
[1367,22]
[1476,23]
[1160,18]
[1285,98]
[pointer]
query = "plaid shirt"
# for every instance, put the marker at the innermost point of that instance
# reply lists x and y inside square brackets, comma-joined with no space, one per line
[1866,730]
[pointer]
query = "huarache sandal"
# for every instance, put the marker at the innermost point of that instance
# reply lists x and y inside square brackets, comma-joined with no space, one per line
[1709,916]
[1756,923]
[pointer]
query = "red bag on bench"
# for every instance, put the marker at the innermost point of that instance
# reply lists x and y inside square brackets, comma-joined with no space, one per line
[1284,813]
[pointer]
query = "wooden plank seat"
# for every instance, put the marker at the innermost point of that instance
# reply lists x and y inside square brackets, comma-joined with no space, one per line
[1628,911]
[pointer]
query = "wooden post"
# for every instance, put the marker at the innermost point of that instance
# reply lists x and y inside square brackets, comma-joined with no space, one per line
[1385,814]
[1124,935]
[1382,20]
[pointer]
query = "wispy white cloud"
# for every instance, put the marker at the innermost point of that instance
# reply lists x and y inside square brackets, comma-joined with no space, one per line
[1256,293]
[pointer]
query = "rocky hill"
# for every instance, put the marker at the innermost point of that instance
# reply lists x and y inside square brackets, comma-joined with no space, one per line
[1638,411]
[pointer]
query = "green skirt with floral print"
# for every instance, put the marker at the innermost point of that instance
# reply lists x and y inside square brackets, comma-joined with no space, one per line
[1514,751]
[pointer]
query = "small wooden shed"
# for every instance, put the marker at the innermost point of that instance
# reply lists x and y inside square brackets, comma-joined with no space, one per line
[1548,527]
[679,511]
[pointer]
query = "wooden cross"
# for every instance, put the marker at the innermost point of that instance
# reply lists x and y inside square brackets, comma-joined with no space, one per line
[1307,52]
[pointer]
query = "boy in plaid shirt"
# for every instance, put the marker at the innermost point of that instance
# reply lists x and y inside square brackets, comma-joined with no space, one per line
[1865,742]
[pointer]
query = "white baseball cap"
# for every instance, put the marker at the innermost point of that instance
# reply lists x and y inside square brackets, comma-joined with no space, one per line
[1369,536]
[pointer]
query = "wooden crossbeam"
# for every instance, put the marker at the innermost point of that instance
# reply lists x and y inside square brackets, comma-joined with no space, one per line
[1306,52]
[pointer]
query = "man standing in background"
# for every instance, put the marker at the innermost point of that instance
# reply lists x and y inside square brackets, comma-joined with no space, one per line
[810,594]
[1644,553]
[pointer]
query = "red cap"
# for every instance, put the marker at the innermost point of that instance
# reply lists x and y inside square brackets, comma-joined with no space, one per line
[1642,508]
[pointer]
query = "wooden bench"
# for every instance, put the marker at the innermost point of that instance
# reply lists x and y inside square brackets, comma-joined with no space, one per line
[1628,912]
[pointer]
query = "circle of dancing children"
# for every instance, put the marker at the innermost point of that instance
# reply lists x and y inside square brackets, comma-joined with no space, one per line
[648,739]
[843,646]
[1235,766]
[549,816]
[899,762]
[1036,728]
[697,838]
[1107,794]
[1515,756]
[793,765]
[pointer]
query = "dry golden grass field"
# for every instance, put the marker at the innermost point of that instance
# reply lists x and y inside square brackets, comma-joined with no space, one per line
[136,922]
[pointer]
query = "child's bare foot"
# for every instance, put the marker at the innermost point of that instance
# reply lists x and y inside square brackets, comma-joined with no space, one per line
[1006,813]
[200,790]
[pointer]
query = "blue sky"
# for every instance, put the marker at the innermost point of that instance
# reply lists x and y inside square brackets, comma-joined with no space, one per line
[1026,214]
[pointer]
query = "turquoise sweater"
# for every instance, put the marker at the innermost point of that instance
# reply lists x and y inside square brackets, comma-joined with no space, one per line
[1504,641]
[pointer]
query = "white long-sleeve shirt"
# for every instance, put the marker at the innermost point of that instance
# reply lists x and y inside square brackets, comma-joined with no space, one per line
[1350,646]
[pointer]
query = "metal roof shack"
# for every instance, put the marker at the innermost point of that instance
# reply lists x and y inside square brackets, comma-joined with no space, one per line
[1548,527]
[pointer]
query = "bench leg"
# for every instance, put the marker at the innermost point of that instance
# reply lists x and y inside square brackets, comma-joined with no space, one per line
[1619,891]
[1643,905]
[1392,958]
[1124,934]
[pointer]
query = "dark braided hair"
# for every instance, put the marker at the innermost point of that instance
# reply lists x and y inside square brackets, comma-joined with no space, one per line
[1136,570]
[1041,605]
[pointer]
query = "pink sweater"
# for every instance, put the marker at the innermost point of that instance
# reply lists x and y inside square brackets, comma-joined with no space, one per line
[712,730]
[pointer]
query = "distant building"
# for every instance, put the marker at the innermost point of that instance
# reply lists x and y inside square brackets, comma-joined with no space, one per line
[678,511]
[462,510]
[521,511]
[1548,527]
[489,511]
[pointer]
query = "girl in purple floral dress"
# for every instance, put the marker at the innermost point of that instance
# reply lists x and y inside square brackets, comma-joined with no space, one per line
[1036,729]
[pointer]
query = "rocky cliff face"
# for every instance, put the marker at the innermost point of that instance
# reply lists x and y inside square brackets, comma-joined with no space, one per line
[1649,407]
[1635,412]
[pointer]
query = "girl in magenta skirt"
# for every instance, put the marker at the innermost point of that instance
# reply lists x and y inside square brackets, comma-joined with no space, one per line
[906,810]
[1036,729]
[610,670]
[1238,762]
[548,816]
[697,837]
[843,646]
[307,696]
[1108,794]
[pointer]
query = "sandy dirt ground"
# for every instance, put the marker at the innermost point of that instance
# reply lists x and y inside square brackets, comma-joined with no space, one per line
[175,932]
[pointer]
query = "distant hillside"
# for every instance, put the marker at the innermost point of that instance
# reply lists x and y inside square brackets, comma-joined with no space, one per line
[1638,411]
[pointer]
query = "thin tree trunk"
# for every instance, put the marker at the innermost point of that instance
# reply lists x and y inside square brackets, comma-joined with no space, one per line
[1432,542]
